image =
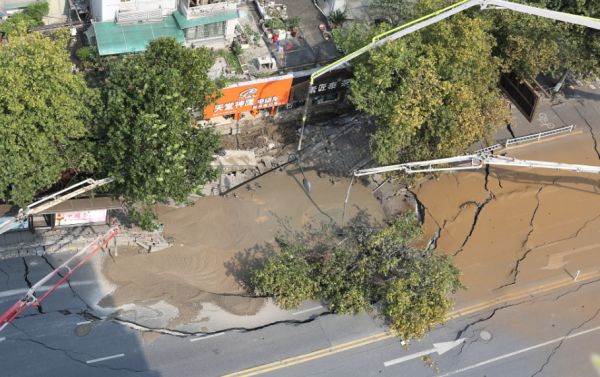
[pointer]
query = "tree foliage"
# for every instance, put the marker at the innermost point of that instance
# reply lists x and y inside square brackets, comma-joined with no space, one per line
[529,45]
[146,131]
[43,115]
[362,266]
[434,92]
[21,23]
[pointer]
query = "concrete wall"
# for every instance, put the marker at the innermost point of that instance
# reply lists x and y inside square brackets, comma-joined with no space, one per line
[58,12]
[106,10]
[230,30]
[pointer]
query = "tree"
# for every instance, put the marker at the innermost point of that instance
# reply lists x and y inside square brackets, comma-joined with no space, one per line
[529,45]
[362,265]
[434,92]
[149,141]
[21,23]
[43,115]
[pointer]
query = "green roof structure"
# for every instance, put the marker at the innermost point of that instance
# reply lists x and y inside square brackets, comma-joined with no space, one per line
[184,23]
[113,38]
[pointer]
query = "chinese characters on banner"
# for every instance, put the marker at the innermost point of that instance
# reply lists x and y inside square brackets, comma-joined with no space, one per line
[329,86]
[254,95]
[81,217]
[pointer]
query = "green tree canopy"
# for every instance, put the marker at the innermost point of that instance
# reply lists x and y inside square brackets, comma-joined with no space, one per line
[43,115]
[21,23]
[434,92]
[354,268]
[529,45]
[146,131]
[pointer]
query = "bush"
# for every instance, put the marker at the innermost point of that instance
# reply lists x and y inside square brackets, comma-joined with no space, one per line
[88,56]
[145,217]
[236,48]
[275,24]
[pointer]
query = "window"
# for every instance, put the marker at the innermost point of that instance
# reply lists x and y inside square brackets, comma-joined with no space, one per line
[195,3]
[326,98]
[206,31]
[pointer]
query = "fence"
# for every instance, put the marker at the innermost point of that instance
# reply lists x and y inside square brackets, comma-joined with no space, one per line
[527,138]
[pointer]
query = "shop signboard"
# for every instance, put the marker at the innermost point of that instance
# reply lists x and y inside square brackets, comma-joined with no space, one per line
[251,96]
[81,217]
[331,82]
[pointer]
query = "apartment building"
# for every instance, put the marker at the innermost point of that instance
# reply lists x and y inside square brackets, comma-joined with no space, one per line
[125,26]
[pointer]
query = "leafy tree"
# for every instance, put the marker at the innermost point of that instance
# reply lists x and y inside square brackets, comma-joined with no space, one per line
[529,45]
[434,92]
[21,23]
[146,131]
[43,115]
[287,276]
[354,268]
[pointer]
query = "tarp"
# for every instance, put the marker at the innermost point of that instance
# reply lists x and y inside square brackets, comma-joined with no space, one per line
[184,23]
[113,38]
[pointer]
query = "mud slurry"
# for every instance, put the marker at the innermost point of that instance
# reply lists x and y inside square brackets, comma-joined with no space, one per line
[508,227]
[197,280]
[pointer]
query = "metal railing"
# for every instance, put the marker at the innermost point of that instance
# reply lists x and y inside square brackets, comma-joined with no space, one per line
[527,138]
[134,16]
[538,136]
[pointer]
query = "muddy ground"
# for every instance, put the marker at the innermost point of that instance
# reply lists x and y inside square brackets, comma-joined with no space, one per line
[213,241]
[513,227]
[505,228]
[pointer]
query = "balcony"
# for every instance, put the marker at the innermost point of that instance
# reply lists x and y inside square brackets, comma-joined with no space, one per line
[203,8]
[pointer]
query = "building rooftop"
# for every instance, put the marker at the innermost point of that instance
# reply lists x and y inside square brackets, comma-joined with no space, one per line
[308,47]
[113,38]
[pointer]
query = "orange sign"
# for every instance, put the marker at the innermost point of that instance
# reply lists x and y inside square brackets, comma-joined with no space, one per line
[253,95]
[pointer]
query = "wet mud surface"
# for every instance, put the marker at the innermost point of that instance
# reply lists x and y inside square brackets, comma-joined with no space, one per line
[213,239]
[507,227]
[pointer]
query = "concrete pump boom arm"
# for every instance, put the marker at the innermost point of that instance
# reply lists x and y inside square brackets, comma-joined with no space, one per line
[435,17]
[474,161]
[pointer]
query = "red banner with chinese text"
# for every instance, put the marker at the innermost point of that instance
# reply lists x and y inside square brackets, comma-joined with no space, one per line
[254,95]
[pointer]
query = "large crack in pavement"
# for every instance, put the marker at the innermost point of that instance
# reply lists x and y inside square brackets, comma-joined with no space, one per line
[71,355]
[555,349]
[515,270]
[460,333]
[432,244]
[183,334]
[591,132]
[576,289]
[29,285]
[75,293]
[478,209]
[5,274]
[574,235]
